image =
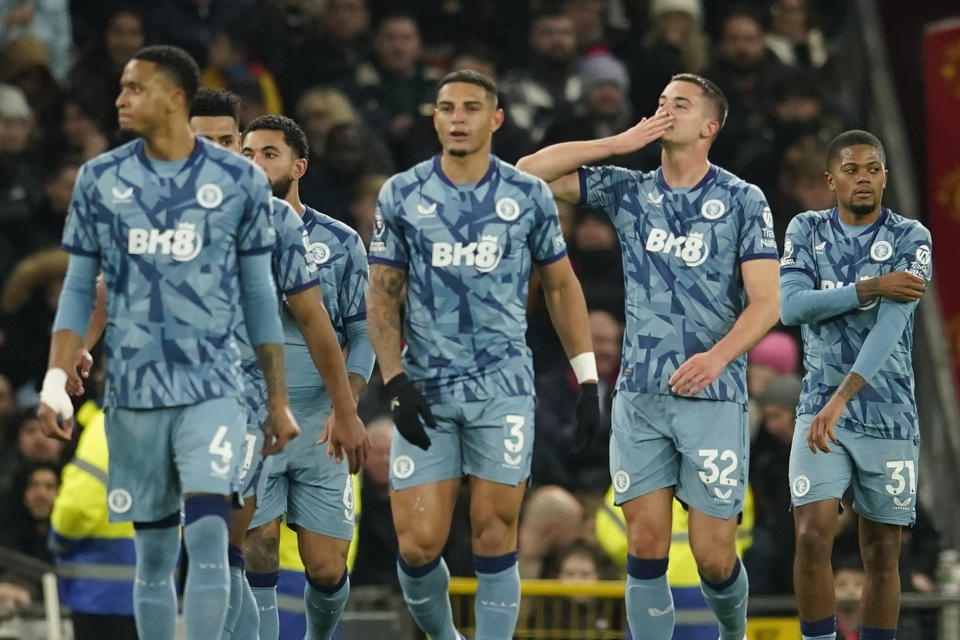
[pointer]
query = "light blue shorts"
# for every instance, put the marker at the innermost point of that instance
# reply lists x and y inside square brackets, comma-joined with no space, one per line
[313,490]
[882,472]
[701,447]
[254,466]
[489,439]
[158,455]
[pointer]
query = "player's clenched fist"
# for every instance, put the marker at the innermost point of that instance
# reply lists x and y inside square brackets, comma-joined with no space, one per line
[408,407]
[901,286]
[281,427]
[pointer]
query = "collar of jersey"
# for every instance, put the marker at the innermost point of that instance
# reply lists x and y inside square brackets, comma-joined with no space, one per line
[443,176]
[711,174]
[191,159]
[835,221]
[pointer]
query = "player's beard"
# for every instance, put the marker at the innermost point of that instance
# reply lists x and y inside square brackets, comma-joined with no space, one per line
[863,208]
[281,187]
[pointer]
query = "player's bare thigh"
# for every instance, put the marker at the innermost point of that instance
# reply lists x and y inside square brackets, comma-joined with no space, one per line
[421,517]
[494,514]
[324,557]
[649,522]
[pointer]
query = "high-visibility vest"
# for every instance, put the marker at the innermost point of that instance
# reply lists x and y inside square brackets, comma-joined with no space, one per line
[95,559]
[293,621]
[694,619]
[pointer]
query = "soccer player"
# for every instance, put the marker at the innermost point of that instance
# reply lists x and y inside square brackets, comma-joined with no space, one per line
[699,259]
[183,232]
[852,276]
[314,491]
[214,115]
[454,239]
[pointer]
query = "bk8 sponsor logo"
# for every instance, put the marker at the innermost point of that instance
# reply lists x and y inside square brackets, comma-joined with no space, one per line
[691,249]
[483,255]
[182,244]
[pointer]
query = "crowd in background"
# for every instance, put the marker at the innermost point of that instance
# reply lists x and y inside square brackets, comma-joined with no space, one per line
[360,79]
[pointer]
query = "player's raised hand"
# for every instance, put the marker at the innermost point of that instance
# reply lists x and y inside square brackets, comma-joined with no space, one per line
[821,428]
[55,406]
[588,416]
[79,372]
[345,436]
[408,408]
[901,286]
[281,427]
[643,133]
[696,373]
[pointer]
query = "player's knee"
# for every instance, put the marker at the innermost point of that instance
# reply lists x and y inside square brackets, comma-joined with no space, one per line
[325,569]
[649,542]
[262,554]
[493,535]
[880,554]
[814,544]
[716,565]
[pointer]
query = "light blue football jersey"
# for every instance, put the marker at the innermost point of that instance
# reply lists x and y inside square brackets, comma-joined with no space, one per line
[335,253]
[467,251]
[168,248]
[682,250]
[833,256]
[293,273]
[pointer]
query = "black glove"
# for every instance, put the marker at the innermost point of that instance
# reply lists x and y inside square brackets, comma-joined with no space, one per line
[588,416]
[408,407]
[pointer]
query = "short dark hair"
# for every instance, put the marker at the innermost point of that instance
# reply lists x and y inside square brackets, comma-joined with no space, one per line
[177,64]
[710,90]
[293,135]
[850,139]
[469,76]
[215,103]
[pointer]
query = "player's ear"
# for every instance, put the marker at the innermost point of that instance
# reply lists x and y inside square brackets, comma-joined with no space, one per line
[497,120]
[709,129]
[829,178]
[299,168]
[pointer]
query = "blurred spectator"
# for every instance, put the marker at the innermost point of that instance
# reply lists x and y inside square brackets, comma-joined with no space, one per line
[769,559]
[81,129]
[96,74]
[8,410]
[228,61]
[744,71]
[776,353]
[191,24]
[19,187]
[27,522]
[364,204]
[397,85]
[590,20]
[321,109]
[550,83]
[25,63]
[376,541]
[551,518]
[253,101]
[28,305]
[46,20]
[674,43]
[49,218]
[794,36]
[332,48]
[555,426]
[848,582]
[597,260]
[352,152]
[603,110]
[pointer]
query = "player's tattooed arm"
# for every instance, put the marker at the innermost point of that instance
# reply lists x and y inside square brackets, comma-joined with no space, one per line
[821,427]
[270,357]
[384,298]
[357,385]
[850,386]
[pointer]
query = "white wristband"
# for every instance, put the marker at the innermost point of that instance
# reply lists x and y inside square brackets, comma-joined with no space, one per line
[53,393]
[584,367]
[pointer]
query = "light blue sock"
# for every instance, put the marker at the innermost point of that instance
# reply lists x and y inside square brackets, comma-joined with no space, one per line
[728,601]
[248,623]
[825,629]
[154,595]
[497,603]
[324,606]
[234,605]
[649,601]
[207,593]
[264,588]
[425,592]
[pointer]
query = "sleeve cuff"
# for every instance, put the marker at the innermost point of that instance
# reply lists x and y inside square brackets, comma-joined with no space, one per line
[77,251]
[757,256]
[357,317]
[805,272]
[387,261]
[551,259]
[255,251]
[302,287]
